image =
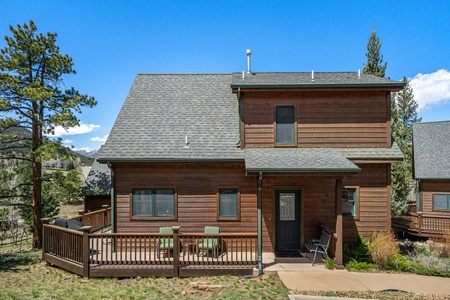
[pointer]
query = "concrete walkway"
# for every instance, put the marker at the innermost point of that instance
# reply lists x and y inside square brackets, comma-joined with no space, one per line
[304,277]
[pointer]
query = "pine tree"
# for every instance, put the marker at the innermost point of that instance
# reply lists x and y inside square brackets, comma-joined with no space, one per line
[374,65]
[404,113]
[31,77]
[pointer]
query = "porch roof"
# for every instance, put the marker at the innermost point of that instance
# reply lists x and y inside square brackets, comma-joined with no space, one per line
[297,160]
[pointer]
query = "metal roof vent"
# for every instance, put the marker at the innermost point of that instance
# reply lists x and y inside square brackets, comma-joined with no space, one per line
[186,143]
[248,52]
[312,75]
[359,73]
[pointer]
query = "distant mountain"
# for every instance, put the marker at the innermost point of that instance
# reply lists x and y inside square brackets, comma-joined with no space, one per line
[91,154]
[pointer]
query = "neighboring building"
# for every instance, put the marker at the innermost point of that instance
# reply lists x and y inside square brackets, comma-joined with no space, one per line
[55,164]
[97,187]
[302,149]
[431,167]
[430,215]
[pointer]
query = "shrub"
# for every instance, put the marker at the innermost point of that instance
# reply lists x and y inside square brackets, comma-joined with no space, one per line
[358,252]
[329,263]
[383,248]
[360,266]
[442,245]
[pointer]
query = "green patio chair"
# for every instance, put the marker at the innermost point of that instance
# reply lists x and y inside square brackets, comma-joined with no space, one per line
[164,243]
[210,244]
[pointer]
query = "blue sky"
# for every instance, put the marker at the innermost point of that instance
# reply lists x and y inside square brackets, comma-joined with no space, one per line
[111,41]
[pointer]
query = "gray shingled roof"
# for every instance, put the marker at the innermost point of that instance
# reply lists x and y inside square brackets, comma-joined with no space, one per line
[98,181]
[431,144]
[297,160]
[392,154]
[303,79]
[161,109]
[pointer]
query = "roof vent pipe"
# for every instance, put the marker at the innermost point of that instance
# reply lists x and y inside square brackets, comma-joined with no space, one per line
[359,73]
[248,52]
[312,75]
[243,75]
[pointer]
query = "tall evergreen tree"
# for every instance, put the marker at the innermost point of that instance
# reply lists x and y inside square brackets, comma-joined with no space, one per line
[374,65]
[31,78]
[404,113]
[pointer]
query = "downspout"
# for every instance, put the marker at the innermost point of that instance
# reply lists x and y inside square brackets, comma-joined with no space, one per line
[113,209]
[259,199]
[239,117]
[418,204]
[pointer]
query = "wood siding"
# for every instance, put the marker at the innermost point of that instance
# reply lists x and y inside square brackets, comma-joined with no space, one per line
[374,210]
[197,185]
[324,119]
[427,189]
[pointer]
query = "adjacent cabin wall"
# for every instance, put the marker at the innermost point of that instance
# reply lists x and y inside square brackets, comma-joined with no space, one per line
[374,209]
[324,118]
[427,189]
[92,203]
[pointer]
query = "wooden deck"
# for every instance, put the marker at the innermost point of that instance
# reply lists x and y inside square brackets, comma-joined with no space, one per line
[415,223]
[136,254]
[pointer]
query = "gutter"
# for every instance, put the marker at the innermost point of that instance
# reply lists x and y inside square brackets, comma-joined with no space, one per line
[173,160]
[318,85]
[308,170]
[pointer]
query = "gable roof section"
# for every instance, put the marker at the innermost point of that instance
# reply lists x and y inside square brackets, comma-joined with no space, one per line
[393,154]
[297,160]
[321,80]
[98,181]
[162,109]
[431,146]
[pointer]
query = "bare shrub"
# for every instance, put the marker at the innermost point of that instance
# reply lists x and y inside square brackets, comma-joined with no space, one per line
[383,247]
[441,246]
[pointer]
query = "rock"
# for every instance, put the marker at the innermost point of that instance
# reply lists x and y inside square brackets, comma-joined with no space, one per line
[67,277]
[183,293]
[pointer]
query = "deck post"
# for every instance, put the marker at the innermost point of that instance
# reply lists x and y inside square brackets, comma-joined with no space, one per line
[105,212]
[420,222]
[44,222]
[176,251]
[86,230]
[339,231]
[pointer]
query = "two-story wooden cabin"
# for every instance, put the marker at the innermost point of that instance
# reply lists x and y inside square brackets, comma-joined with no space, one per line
[280,154]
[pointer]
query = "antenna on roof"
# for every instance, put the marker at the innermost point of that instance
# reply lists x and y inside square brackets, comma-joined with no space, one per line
[312,75]
[248,52]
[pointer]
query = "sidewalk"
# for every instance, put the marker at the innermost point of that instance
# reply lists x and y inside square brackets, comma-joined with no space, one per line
[304,277]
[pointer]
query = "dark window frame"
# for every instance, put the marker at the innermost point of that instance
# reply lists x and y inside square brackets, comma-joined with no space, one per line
[292,143]
[355,214]
[152,216]
[238,204]
[448,202]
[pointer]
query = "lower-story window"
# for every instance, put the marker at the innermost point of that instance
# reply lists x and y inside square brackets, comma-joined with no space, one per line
[349,201]
[441,201]
[153,202]
[228,204]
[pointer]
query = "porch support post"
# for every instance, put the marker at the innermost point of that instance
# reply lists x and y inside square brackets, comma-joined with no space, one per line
[259,196]
[176,251]
[339,232]
[86,230]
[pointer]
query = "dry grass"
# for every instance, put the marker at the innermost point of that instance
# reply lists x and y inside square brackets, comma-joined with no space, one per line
[23,276]
[69,210]
[383,247]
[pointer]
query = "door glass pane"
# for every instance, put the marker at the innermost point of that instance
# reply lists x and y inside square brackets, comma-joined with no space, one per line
[287,206]
[164,202]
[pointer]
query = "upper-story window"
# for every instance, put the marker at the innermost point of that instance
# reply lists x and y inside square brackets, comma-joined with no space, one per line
[285,125]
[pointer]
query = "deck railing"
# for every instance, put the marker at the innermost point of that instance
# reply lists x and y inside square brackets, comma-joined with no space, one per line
[137,254]
[98,219]
[420,225]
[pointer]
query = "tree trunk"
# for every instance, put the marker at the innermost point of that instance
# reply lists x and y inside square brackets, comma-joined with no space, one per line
[37,210]
[37,181]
